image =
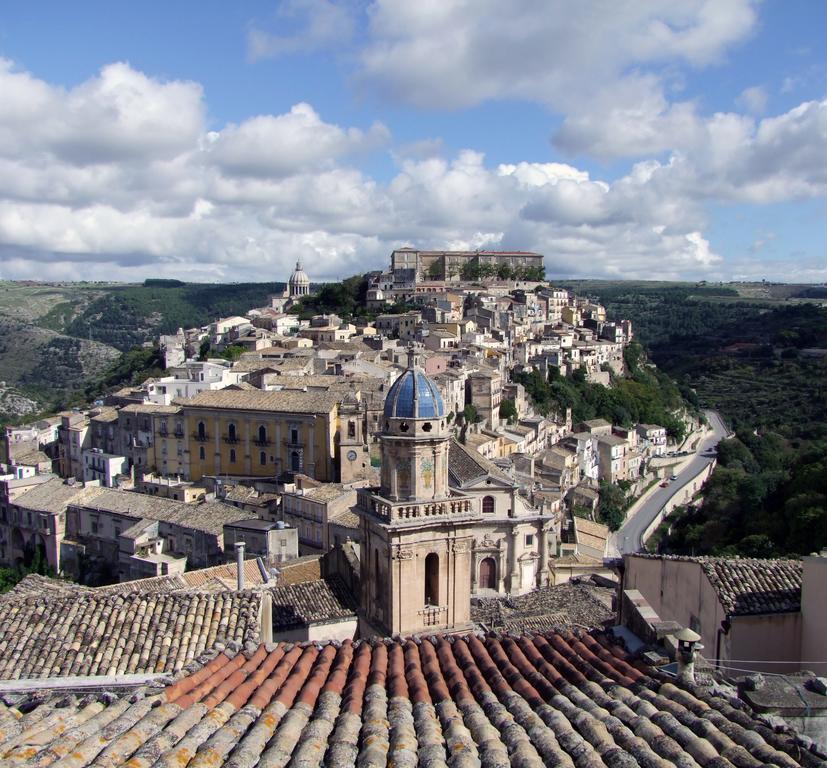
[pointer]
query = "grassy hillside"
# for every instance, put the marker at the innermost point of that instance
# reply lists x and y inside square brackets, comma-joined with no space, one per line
[758,354]
[59,339]
[132,314]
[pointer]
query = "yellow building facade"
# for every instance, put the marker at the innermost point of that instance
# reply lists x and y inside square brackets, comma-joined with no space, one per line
[256,433]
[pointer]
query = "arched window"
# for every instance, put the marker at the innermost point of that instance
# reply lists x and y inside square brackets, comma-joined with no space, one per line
[202,454]
[432,579]
[351,429]
[295,462]
[232,455]
[231,433]
[262,459]
[488,504]
[202,430]
[262,434]
[488,574]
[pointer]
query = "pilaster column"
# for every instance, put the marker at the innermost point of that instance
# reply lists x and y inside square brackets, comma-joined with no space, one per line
[542,572]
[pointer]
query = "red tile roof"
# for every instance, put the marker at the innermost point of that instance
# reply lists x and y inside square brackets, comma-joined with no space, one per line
[531,700]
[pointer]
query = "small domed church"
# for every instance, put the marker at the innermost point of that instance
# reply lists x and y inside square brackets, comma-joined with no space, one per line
[443,525]
[298,286]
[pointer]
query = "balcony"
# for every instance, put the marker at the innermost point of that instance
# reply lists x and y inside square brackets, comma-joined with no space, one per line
[432,615]
[230,440]
[415,511]
[291,444]
[200,438]
[262,443]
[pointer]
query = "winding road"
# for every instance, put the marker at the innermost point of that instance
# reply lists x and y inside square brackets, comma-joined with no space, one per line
[628,538]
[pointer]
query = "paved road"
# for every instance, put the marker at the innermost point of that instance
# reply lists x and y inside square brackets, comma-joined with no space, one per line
[628,537]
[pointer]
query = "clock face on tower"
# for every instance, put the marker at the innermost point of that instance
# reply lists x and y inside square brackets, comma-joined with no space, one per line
[351,455]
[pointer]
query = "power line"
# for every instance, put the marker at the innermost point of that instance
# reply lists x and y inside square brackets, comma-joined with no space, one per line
[763,661]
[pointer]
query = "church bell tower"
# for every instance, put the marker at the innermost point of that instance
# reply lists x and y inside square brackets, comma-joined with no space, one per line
[416,535]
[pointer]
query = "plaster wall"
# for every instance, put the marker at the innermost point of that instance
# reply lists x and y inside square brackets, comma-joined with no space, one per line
[771,638]
[814,614]
[678,591]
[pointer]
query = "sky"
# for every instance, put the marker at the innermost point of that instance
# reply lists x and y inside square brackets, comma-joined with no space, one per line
[221,142]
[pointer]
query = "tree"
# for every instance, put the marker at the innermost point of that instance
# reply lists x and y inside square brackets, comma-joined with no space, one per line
[233,352]
[611,507]
[471,414]
[508,410]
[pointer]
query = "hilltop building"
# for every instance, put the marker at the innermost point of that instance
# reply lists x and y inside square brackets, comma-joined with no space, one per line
[410,265]
[298,286]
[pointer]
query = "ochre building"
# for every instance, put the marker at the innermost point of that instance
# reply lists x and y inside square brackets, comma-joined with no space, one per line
[257,433]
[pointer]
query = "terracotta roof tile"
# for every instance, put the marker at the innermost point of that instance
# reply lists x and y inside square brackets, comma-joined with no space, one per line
[750,585]
[557,699]
[88,633]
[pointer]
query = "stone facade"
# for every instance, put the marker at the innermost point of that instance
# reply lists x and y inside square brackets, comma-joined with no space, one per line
[445,523]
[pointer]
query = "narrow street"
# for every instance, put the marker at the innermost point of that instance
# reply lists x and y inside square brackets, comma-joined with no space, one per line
[628,538]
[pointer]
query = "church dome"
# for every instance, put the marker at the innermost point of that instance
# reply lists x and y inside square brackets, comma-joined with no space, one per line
[414,396]
[299,276]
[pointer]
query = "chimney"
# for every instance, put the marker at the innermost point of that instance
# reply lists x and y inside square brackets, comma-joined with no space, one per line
[688,646]
[239,564]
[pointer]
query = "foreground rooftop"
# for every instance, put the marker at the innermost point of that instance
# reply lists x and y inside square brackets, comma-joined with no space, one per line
[531,700]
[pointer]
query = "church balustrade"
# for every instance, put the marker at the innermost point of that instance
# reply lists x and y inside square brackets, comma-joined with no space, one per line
[432,615]
[415,511]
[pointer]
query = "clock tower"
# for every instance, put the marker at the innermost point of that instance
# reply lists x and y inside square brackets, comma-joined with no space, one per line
[354,454]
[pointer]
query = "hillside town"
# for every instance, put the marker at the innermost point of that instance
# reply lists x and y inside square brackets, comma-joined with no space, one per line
[331,481]
[289,431]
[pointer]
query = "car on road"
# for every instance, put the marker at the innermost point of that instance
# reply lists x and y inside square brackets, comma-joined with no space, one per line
[664,484]
[673,478]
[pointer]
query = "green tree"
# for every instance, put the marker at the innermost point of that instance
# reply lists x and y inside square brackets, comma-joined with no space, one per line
[233,352]
[611,505]
[508,410]
[471,415]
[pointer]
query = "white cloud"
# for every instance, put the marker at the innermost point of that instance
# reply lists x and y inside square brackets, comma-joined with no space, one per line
[281,145]
[592,62]
[311,25]
[120,115]
[165,196]
[753,100]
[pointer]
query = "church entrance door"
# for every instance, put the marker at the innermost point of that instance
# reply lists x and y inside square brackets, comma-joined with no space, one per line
[488,574]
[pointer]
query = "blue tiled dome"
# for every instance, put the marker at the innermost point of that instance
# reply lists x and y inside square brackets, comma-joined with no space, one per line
[414,396]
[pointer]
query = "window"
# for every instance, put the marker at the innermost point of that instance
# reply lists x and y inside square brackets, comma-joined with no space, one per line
[202,454]
[488,504]
[232,455]
[432,579]
[529,539]
[262,434]
[351,429]
[294,435]
[231,433]
[202,431]
[94,524]
[262,459]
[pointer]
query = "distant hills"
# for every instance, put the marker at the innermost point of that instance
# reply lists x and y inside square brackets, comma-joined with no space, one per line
[58,338]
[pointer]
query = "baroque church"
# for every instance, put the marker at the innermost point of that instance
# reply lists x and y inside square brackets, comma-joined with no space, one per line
[445,523]
[298,286]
